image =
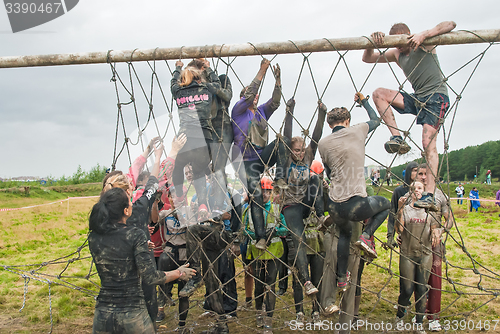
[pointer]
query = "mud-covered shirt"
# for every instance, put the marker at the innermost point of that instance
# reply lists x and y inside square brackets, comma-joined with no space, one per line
[416,235]
[244,121]
[343,152]
[297,177]
[122,257]
[194,103]
[423,72]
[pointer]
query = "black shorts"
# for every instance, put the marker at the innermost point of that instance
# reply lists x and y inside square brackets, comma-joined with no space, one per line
[429,109]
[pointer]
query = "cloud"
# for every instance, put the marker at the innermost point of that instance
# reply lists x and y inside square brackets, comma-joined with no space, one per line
[56,118]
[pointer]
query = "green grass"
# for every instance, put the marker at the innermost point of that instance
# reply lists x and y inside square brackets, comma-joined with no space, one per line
[50,232]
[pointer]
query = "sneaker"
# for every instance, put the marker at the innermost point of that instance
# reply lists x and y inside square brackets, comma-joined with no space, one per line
[343,283]
[268,325]
[434,326]
[203,214]
[310,289]
[207,314]
[281,292]
[400,324]
[324,222]
[397,145]
[161,316]
[260,319]
[299,320]
[315,318]
[331,309]
[426,202]
[191,286]
[219,328]
[366,245]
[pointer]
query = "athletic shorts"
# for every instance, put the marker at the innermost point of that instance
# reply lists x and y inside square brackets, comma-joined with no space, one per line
[429,109]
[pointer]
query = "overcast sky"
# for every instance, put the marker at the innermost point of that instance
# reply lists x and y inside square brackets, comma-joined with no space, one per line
[56,118]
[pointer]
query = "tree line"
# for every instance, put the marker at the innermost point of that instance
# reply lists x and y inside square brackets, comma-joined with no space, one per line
[465,163]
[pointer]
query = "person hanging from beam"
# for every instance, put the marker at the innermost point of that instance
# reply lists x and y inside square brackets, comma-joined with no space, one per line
[302,197]
[251,151]
[343,155]
[429,102]
[193,96]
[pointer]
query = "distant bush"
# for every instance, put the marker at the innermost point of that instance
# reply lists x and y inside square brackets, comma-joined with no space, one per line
[96,174]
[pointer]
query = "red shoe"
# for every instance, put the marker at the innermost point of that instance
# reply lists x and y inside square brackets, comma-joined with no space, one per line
[367,246]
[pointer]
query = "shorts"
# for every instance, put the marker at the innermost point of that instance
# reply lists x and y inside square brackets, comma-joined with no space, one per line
[429,109]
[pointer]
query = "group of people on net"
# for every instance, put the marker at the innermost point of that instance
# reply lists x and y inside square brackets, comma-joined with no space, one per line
[313,220]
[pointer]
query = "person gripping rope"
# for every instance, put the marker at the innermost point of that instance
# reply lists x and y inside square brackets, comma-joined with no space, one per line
[251,151]
[409,176]
[122,257]
[343,155]
[429,103]
[416,227]
[304,192]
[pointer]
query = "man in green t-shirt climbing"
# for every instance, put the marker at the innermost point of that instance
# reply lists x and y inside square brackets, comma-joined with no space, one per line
[429,102]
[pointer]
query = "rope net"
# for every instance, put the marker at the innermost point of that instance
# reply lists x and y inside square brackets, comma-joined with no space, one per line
[145,109]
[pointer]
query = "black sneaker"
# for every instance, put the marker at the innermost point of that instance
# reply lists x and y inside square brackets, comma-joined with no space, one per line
[191,286]
[426,202]
[161,316]
[397,145]
[281,292]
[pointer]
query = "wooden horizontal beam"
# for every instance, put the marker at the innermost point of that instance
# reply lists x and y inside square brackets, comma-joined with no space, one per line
[247,49]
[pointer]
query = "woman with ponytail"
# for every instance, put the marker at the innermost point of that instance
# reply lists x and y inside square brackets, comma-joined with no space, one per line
[192,89]
[122,259]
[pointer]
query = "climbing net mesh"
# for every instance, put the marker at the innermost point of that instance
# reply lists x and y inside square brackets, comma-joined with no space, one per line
[145,106]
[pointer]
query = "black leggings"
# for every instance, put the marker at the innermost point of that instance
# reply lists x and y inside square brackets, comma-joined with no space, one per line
[249,172]
[356,209]
[205,243]
[168,262]
[265,272]
[195,152]
[294,217]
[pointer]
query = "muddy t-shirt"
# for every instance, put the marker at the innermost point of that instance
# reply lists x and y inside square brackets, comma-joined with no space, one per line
[297,177]
[343,152]
[416,236]
[121,257]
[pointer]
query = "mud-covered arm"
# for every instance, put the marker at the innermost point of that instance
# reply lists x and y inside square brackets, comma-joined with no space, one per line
[374,121]
[144,261]
[225,93]
[392,215]
[213,84]
[174,83]
[318,128]
[290,106]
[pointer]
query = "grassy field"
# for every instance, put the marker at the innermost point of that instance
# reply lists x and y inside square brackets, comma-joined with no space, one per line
[58,227]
